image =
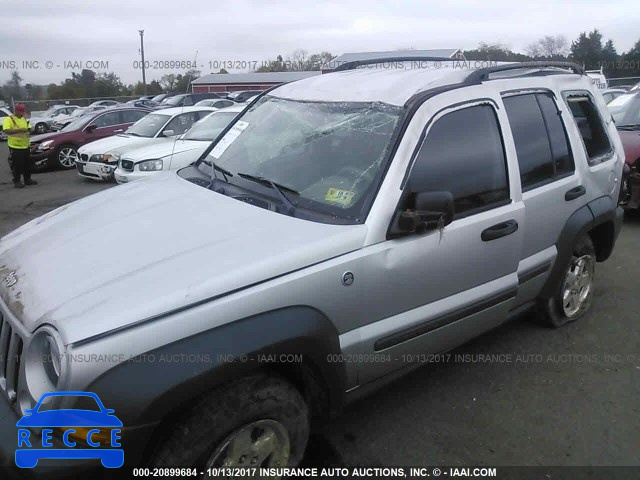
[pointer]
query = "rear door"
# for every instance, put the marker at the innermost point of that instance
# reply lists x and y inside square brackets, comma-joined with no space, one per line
[551,189]
[105,124]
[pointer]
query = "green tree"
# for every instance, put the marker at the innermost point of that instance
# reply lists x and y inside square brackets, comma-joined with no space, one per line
[631,62]
[183,82]
[277,65]
[13,87]
[495,52]
[587,50]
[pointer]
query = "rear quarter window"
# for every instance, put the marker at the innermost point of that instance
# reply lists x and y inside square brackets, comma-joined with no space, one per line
[590,125]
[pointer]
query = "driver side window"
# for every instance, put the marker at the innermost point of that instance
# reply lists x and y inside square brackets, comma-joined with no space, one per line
[182,123]
[106,120]
[463,153]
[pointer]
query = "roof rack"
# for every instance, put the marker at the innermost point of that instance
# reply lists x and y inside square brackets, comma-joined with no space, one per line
[371,61]
[482,74]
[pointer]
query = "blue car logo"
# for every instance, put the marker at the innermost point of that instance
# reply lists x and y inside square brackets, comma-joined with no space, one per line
[79,433]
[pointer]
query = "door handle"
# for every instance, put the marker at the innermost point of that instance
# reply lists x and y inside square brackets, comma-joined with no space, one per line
[500,230]
[575,193]
[119,130]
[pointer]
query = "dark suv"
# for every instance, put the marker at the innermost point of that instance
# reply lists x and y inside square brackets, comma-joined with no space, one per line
[186,99]
[61,148]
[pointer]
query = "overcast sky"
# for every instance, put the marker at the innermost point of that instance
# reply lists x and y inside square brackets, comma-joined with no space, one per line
[253,30]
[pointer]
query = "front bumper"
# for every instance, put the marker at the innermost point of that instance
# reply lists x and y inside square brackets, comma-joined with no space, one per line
[134,442]
[124,176]
[40,159]
[95,170]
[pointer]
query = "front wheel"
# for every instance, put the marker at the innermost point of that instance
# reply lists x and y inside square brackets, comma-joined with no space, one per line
[573,297]
[67,156]
[40,128]
[256,421]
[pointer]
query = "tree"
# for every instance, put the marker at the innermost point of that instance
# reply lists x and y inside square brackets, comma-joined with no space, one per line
[168,81]
[183,82]
[276,65]
[13,87]
[222,70]
[587,50]
[549,47]
[495,52]
[631,60]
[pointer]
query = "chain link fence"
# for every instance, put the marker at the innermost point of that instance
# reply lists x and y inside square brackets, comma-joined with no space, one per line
[42,105]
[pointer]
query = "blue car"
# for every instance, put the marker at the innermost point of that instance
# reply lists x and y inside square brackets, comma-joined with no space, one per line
[85,420]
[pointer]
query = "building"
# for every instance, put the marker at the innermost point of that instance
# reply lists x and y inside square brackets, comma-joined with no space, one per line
[445,54]
[231,82]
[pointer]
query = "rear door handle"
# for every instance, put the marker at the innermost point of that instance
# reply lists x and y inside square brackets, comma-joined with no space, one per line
[119,130]
[575,193]
[500,230]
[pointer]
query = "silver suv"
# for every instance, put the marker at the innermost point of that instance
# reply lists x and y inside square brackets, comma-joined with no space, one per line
[340,227]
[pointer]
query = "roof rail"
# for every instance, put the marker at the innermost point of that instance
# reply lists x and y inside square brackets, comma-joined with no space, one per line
[371,61]
[482,74]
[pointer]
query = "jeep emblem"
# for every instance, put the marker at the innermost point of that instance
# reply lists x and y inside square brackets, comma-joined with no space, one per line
[347,278]
[11,279]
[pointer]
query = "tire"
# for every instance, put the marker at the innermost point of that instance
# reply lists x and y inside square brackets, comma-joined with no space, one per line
[574,296]
[40,128]
[66,155]
[251,408]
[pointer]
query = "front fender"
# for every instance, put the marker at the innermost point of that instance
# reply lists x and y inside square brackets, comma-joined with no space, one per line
[147,388]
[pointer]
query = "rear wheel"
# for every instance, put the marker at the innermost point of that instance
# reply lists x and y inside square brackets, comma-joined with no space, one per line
[257,421]
[40,128]
[573,297]
[67,156]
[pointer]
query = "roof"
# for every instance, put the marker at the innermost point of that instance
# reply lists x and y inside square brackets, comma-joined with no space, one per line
[254,77]
[177,110]
[394,86]
[353,57]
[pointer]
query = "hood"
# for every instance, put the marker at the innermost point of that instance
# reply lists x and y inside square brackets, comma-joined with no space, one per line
[115,142]
[631,144]
[162,150]
[146,248]
[47,136]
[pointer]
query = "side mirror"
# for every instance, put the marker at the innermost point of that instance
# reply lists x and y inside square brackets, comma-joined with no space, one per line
[430,210]
[91,128]
[168,133]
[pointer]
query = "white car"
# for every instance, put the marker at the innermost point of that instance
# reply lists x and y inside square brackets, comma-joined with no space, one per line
[98,160]
[42,122]
[147,161]
[4,112]
[216,103]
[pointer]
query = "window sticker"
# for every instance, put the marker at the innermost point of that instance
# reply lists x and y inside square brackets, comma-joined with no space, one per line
[342,197]
[229,138]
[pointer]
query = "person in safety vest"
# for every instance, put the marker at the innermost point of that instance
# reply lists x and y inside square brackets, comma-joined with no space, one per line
[17,128]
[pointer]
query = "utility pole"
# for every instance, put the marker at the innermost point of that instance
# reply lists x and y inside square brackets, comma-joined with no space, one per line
[144,80]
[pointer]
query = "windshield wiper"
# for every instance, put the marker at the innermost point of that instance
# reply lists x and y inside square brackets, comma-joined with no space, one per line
[215,167]
[277,187]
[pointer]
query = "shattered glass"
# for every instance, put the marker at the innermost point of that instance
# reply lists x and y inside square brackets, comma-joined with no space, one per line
[331,153]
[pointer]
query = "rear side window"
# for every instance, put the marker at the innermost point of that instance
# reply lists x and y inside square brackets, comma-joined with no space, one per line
[592,130]
[107,120]
[463,153]
[540,138]
[132,116]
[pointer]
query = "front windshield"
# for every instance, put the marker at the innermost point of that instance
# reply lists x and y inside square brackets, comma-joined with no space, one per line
[175,101]
[157,98]
[149,125]
[78,112]
[210,127]
[332,154]
[77,124]
[625,110]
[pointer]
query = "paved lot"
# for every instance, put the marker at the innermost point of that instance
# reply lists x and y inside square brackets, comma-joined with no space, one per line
[581,407]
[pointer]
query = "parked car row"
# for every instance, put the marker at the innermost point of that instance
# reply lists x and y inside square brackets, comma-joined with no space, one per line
[99,159]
